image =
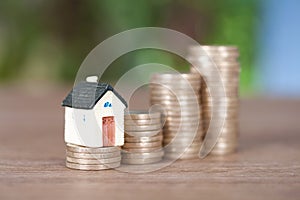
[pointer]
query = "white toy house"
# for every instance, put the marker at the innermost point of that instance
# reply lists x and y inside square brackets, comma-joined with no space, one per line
[94,115]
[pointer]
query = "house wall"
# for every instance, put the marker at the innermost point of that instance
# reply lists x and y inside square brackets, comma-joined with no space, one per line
[84,127]
[81,128]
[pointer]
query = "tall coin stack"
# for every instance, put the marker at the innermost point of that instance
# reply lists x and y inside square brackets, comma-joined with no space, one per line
[178,95]
[86,158]
[225,58]
[143,138]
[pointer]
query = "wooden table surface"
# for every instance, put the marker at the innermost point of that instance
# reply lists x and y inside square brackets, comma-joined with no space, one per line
[32,151]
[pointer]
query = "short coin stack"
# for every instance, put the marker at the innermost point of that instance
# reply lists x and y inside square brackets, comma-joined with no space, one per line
[225,58]
[86,158]
[178,95]
[143,138]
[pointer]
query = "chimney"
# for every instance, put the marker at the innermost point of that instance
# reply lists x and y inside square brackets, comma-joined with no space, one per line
[92,79]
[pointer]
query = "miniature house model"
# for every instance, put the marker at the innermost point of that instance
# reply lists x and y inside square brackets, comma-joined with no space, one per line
[94,115]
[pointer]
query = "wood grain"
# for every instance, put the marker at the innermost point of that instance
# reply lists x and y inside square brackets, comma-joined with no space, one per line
[32,151]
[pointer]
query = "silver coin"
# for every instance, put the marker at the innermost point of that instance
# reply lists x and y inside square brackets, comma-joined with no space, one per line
[227,144]
[169,100]
[223,151]
[140,161]
[92,167]
[176,88]
[144,139]
[226,63]
[220,100]
[232,139]
[208,108]
[143,144]
[228,149]
[220,103]
[182,121]
[223,89]
[93,161]
[143,133]
[221,67]
[232,135]
[181,129]
[173,104]
[213,56]
[227,76]
[171,85]
[133,115]
[94,155]
[187,133]
[220,110]
[226,120]
[220,113]
[155,87]
[219,95]
[176,76]
[173,89]
[182,157]
[182,150]
[228,83]
[142,122]
[221,53]
[81,149]
[142,127]
[179,125]
[223,135]
[183,116]
[181,145]
[225,128]
[168,83]
[236,68]
[223,85]
[192,115]
[153,154]
[222,64]
[204,49]
[142,150]
[175,94]
[181,140]
[233,100]
[219,48]
[227,116]
[166,98]
[226,125]
[183,135]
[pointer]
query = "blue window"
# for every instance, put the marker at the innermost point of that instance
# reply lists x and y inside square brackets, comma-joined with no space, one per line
[107,104]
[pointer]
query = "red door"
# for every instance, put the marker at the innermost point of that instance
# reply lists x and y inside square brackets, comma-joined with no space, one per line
[108,131]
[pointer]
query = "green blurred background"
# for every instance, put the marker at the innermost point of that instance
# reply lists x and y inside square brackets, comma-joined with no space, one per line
[48,40]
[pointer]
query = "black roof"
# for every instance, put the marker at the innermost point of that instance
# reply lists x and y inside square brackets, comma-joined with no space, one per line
[85,95]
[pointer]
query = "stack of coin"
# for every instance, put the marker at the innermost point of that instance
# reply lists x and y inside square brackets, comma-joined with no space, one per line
[228,67]
[87,158]
[143,138]
[178,95]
